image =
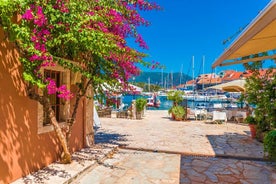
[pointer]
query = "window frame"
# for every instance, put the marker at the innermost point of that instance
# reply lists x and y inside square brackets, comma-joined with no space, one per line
[65,80]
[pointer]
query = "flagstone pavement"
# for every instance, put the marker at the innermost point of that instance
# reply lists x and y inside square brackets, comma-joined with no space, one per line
[158,150]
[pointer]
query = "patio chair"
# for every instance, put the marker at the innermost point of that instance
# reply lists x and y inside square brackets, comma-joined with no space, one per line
[126,113]
[106,112]
[191,114]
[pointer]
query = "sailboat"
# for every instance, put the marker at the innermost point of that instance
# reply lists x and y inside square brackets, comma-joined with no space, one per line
[153,101]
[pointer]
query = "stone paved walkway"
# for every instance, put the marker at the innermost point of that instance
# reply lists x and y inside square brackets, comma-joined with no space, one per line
[129,167]
[180,152]
[158,150]
[157,132]
[82,161]
[217,170]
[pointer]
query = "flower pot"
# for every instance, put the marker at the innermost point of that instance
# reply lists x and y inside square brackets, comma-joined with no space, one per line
[178,119]
[138,115]
[252,130]
[173,116]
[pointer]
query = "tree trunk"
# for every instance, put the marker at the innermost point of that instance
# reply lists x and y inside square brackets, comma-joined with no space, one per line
[66,156]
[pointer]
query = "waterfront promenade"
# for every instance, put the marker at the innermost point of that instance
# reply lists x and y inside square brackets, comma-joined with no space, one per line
[156,131]
[159,150]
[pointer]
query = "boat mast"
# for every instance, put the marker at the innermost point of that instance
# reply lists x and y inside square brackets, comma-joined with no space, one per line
[193,68]
[168,80]
[149,83]
[172,78]
[216,80]
[162,79]
[193,65]
[203,60]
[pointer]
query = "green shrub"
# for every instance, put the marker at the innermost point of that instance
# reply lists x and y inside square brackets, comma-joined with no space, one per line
[178,112]
[175,96]
[250,120]
[141,104]
[270,144]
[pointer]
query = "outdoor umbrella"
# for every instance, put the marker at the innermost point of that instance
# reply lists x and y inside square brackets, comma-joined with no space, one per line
[233,86]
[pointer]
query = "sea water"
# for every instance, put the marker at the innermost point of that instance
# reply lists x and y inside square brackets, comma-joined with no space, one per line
[167,104]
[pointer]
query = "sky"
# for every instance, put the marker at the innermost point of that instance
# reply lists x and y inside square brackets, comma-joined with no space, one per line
[187,28]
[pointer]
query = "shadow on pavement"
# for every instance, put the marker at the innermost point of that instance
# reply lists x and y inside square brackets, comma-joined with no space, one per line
[109,138]
[45,174]
[234,145]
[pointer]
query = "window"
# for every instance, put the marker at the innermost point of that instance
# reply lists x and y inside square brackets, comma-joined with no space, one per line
[54,100]
[60,107]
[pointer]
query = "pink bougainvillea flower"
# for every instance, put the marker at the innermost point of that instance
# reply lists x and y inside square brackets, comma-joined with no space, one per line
[91,13]
[34,57]
[28,15]
[47,63]
[64,93]
[51,87]
[141,42]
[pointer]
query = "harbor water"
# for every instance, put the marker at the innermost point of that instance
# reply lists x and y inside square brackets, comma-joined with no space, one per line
[166,104]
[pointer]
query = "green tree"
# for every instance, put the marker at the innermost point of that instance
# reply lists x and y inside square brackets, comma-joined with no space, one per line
[261,91]
[86,37]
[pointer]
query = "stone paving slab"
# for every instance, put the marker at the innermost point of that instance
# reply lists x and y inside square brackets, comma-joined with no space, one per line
[156,131]
[225,171]
[142,167]
[163,142]
[82,161]
[130,167]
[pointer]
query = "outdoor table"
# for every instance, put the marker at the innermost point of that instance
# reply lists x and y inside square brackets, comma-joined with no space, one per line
[219,116]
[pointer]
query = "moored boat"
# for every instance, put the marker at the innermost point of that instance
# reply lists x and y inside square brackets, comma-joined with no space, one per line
[153,101]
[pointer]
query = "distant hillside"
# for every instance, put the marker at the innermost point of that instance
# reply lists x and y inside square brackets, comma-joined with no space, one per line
[168,78]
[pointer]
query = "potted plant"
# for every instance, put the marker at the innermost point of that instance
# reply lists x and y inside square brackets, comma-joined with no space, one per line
[175,96]
[140,105]
[251,121]
[178,112]
[260,92]
[270,144]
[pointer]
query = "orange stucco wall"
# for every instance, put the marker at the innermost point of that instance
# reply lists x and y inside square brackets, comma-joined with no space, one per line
[22,149]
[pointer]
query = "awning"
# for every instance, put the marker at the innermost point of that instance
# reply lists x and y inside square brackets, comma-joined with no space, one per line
[259,36]
[233,86]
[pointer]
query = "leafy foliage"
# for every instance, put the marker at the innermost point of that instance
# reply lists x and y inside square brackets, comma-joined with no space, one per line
[178,112]
[140,104]
[250,120]
[261,91]
[88,37]
[270,144]
[175,96]
[84,37]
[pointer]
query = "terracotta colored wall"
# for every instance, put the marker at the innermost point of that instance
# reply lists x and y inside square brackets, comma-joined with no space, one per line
[77,141]
[22,150]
